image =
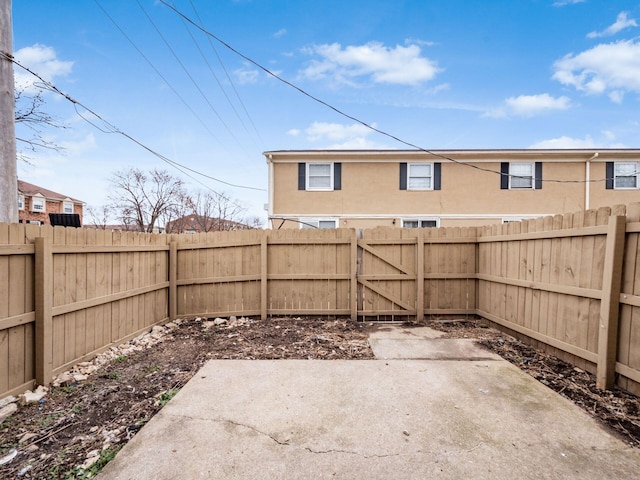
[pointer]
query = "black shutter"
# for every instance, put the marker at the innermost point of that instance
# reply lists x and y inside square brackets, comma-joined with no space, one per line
[609,174]
[302,176]
[504,176]
[538,176]
[337,176]
[437,174]
[403,176]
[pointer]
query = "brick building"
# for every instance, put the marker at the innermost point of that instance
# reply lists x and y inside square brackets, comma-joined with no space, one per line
[36,203]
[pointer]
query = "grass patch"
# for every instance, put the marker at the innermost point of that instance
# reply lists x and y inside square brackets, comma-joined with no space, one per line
[106,456]
[165,397]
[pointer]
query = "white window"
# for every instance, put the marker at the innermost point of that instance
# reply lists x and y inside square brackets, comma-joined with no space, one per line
[625,175]
[420,176]
[419,223]
[513,219]
[67,207]
[318,223]
[521,175]
[37,204]
[319,176]
[34,222]
[20,202]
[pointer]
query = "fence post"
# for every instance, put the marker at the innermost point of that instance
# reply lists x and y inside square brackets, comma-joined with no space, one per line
[263,276]
[173,281]
[420,277]
[610,304]
[353,296]
[43,304]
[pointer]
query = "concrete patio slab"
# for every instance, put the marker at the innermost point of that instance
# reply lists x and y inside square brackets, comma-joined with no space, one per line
[400,419]
[423,343]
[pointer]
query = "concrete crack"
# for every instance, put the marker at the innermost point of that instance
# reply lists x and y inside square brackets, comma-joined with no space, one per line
[309,449]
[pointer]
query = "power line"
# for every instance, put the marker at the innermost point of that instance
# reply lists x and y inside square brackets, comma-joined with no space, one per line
[213,74]
[184,102]
[231,82]
[110,128]
[351,117]
[186,71]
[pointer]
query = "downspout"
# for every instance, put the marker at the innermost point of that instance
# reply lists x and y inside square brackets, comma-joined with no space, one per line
[271,194]
[587,185]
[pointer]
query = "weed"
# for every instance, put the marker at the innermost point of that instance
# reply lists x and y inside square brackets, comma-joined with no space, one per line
[151,368]
[106,456]
[115,375]
[47,420]
[165,397]
[120,359]
[67,389]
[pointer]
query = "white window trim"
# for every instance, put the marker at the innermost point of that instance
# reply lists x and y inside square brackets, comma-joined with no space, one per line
[615,176]
[409,165]
[38,200]
[64,204]
[20,202]
[513,219]
[533,174]
[421,219]
[319,189]
[307,222]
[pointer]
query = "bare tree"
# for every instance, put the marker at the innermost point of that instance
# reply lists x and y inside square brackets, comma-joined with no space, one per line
[145,200]
[30,114]
[99,215]
[212,212]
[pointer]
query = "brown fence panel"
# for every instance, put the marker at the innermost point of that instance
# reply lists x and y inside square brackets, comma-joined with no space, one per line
[450,256]
[542,279]
[388,273]
[17,310]
[628,365]
[309,272]
[219,273]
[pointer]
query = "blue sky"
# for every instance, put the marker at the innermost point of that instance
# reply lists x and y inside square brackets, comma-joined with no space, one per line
[448,74]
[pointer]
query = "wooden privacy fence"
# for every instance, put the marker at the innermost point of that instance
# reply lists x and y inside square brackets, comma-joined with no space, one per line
[568,283]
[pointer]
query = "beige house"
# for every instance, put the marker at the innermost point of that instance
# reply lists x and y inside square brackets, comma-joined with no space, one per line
[413,188]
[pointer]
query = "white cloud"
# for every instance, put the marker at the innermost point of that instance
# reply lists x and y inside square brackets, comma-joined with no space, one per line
[566,142]
[562,3]
[621,23]
[611,68]
[319,131]
[280,33]
[44,61]
[79,146]
[246,75]
[338,136]
[529,106]
[398,65]
[294,132]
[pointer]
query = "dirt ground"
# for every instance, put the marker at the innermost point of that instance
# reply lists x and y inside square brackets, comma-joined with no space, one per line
[78,427]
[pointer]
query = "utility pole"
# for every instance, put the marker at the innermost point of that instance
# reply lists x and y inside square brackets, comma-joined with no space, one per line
[8,166]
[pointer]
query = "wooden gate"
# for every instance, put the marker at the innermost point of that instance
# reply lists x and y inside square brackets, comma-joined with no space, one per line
[390,282]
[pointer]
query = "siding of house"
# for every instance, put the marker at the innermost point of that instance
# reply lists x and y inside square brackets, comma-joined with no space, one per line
[54,203]
[370,193]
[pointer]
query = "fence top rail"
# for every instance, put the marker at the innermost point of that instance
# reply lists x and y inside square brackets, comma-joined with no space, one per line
[413,241]
[107,248]
[633,227]
[545,235]
[17,249]
[201,246]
